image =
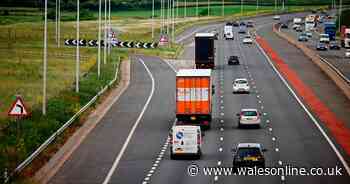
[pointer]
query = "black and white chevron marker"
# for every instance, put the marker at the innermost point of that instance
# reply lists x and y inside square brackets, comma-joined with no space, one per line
[114,43]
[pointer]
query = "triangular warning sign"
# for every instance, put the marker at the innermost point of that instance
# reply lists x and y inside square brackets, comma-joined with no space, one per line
[18,108]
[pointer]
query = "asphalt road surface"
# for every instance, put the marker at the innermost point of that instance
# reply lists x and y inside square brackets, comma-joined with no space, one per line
[287,131]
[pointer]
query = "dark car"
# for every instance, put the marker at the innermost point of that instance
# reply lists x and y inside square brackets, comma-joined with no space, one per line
[248,155]
[233,60]
[284,25]
[298,29]
[321,46]
[235,24]
[334,46]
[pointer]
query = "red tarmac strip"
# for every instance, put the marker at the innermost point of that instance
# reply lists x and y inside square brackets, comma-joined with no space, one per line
[336,126]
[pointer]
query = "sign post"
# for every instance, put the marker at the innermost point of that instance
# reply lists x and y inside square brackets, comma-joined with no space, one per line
[18,110]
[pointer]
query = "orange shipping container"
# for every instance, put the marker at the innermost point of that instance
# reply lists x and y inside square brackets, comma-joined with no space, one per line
[193,92]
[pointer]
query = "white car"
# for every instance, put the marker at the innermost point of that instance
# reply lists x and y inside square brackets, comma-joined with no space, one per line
[247,39]
[249,117]
[347,53]
[241,86]
[276,17]
[324,38]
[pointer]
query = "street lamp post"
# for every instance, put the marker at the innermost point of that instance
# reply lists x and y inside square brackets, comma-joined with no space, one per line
[340,12]
[223,8]
[241,8]
[152,19]
[109,28]
[208,8]
[105,36]
[77,52]
[197,9]
[99,40]
[185,13]
[45,61]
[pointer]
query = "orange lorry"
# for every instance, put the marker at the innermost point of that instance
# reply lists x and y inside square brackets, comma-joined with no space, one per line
[194,91]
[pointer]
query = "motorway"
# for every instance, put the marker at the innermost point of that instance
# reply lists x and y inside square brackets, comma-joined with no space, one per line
[129,145]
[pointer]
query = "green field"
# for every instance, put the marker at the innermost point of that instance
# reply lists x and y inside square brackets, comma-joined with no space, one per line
[202,11]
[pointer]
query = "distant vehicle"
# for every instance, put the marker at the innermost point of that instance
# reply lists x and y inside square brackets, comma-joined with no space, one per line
[324,38]
[333,45]
[284,25]
[185,140]
[310,22]
[298,29]
[330,28]
[233,60]
[248,155]
[247,39]
[194,90]
[303,37]
[308,34]
[345,37]
[228,32]
[228,24]
[296,26]
[249,117]
[321,46]
[297,22]
[241,85]
[242,23]
[347,53]
[235,23]
[242,29]
[204,50]
[216,34]
[250,23]
[276,17]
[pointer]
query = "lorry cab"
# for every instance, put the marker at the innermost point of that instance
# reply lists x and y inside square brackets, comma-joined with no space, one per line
[185,140]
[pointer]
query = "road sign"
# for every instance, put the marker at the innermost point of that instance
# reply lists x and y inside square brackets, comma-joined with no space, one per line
[18,108]
[163,40]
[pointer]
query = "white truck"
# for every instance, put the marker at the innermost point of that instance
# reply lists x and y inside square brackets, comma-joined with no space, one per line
[310,23]
[345,37]
[228,31]
[185,140]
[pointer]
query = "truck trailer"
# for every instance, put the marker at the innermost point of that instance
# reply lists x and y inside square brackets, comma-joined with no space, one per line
[204,50]
[330,29]
[345,37]
[194,97]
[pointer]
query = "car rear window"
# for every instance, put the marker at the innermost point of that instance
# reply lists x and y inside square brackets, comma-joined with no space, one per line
[249,113]
[249,152]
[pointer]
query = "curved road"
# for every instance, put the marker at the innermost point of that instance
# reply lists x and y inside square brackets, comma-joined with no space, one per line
[287,131]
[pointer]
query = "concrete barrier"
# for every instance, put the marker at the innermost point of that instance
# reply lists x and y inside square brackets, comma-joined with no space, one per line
[330,70]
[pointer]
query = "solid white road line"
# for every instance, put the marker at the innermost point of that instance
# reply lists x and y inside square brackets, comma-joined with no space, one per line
[341,158]
[117,159]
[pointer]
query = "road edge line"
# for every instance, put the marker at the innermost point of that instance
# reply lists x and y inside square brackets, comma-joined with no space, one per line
[117,159]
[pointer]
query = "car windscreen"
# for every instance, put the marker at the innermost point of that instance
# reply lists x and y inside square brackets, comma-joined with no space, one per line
[241,82]
[249,113]
[248,152]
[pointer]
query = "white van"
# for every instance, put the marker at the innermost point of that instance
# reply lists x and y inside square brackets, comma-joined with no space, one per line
[185,140]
